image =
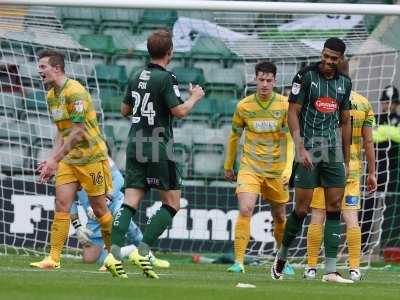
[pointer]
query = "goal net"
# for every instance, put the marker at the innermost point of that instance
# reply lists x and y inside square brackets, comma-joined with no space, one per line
[217,50]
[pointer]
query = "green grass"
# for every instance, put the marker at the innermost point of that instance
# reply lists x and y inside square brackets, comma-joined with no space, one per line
[76,280]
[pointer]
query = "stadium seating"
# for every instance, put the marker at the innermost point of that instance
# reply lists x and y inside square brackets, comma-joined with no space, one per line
[10,105]
[98,43]
[225,83]
[153,19]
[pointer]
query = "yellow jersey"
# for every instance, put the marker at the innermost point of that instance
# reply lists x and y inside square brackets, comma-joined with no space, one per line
[268,147]
[73,104]
[361,115]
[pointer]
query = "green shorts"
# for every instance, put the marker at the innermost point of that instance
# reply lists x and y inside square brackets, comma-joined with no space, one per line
[323,174]
[163,175]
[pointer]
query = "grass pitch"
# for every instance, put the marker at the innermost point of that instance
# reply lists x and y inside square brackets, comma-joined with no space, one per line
[75,281]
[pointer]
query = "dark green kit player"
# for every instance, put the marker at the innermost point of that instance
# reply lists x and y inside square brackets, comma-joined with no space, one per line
[152,100]
[319,121]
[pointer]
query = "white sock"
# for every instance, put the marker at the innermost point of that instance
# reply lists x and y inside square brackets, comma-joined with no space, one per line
[127,250]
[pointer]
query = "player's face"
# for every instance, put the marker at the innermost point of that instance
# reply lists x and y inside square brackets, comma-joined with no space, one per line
[46,71]
[265,83]
[330,60]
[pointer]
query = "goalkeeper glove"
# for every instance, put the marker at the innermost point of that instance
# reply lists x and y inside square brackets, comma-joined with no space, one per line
[83,234]
[90,213]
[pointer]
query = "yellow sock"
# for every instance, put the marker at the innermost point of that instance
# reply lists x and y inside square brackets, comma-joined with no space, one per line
[106,225]
[242,237]
[354,244]
[314,239]
[59,233]
[278,232]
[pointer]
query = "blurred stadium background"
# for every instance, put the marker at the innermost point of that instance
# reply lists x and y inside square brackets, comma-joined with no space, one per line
[216,49]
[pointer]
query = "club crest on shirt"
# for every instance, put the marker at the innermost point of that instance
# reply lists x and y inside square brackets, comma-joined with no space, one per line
[296,88]
[277,114]
[340,90]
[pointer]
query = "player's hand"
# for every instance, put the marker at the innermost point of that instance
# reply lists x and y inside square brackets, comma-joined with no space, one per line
[305,158]
[372,184]
[230,175]
[83,234]
[47,169]
[196,91]
[285,179]
[90,213]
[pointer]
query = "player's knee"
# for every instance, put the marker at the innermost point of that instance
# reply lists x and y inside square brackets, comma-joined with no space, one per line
[301,211]
[246,211]
[318,216]
[90,254]
[62,205]
[279,218]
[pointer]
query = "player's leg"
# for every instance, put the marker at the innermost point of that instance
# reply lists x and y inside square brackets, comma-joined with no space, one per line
[247,191]
[135,187]
[314,233]
[333,180]
[66,188]
[305,181]
[96,180]
[350,208]
[247,201]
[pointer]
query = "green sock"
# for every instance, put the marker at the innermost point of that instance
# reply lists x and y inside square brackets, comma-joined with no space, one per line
[158,223]
[120,226]
[292,228]
[331,240]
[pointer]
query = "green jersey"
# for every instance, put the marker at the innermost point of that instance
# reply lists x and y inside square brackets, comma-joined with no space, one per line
[151,93]
[322,100]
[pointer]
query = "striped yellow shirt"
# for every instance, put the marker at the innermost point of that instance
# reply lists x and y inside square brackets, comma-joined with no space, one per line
[361,115]
[266,139]
[73,104]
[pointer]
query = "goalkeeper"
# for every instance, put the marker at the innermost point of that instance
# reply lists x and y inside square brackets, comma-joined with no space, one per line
[90,236]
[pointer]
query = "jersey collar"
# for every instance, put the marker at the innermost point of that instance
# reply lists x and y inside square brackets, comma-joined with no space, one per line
[268,102]
[155,66]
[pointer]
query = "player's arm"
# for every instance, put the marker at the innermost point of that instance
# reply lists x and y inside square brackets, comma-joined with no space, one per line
[182,110]
[368,144]
[287,172]
[296,101]
[231,149]
[345,124]
[127,104]
[77,134]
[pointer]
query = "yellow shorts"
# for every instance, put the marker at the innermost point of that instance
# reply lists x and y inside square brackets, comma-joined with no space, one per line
[351,199]
[271,189]
[94,178]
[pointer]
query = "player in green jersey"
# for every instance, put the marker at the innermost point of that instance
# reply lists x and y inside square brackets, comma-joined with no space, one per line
[152,100]
[319,121]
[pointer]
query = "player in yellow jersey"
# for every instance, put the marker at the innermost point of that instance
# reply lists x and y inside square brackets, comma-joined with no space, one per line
[266,163]
[362,121]
[79,157]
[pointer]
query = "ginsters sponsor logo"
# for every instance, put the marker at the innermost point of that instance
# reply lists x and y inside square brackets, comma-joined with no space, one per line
[326,105]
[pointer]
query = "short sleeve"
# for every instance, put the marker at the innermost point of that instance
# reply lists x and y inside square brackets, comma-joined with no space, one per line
[369,117]
[346,103]
[78,104]
[237,120]
[171,91]
[297,92]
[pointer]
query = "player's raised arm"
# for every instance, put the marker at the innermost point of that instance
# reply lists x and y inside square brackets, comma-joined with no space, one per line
[182,110]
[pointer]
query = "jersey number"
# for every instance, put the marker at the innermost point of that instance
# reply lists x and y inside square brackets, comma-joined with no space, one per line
[146,109]
[97,179]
